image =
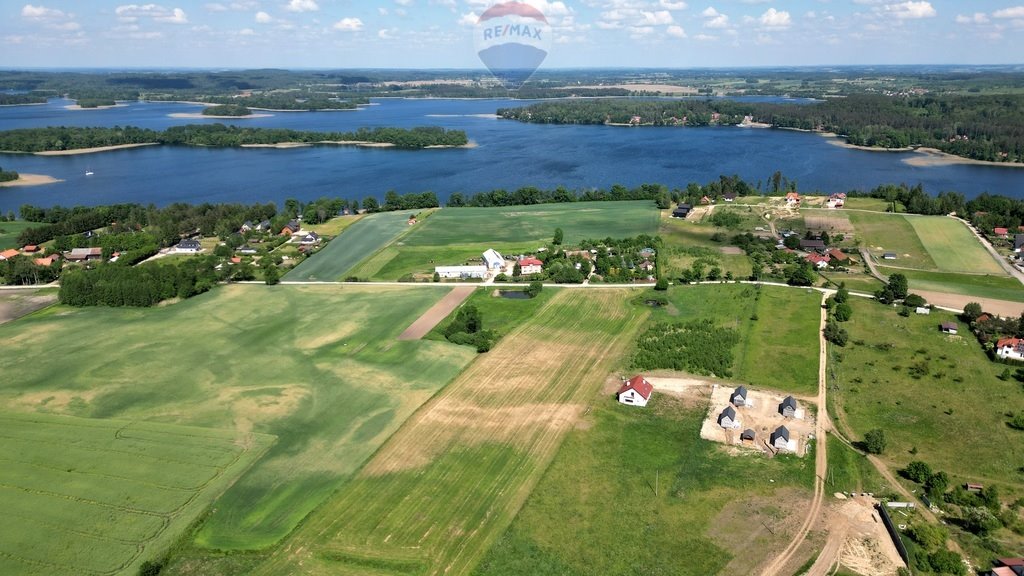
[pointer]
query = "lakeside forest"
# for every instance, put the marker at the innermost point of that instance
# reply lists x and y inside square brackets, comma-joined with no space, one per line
[981,127]
[216,135]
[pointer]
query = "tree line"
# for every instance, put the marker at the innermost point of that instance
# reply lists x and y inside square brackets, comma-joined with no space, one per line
[8,175]
[981,127]
[216,135]
[17,99]
[527,195]
[226,110]
[118,285]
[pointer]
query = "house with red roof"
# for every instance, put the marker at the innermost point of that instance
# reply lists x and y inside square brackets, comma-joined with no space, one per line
[8,254]
[530,265]
[635,392]
[792,199]
[29,249]
[1010,349]
[1001,232]
[818,260]
[48,261]
[836,200]
[838,256]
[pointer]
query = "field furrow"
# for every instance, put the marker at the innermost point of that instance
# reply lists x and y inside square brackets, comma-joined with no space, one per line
[448,482]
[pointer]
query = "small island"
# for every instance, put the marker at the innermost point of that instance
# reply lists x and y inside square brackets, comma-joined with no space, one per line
[85,103]
[73,139]
[227,110]
[7,175]
[21,99]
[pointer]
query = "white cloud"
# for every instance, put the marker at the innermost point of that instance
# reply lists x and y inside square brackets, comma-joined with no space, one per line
[773,18]
[720,21]
[468,19]
[910,10]
[158,13]
[709,12]
[1014,12]
[349,25]
[263,18]
[40,13]
[215,7]
[246,32]
[655,18]
[178,16]
[302,6]
[670,5]
[387,33]
[976,18]
[675,31]
[706,37]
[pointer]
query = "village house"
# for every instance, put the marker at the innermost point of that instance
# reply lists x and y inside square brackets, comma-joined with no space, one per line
[635,392]
[788,407]
[1007,567]
[290,228]
[8,254]
[838,256]
[819,261]
[1010,349]
[310,239]
[729,196]
[1018,243]
[808,244]
[792,199]
[48,261]
[739,396]
[705,200]
[1001,232]
[727,419]
[530,265]
[948,327]
[263,226]
[30,249]
[647,266]
[682,211]
[462,272]
[780,438]
[188,247]
[85,254]
[246,226]
[493,260]
[836,200]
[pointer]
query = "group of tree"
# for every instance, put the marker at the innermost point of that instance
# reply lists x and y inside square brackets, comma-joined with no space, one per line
[22,270]
[973,126]
[115,284]
[621,260]
[216,135]
[290,100]
[528,195]
[8,175]
[226,110]
[19,99]
[698,346]
[468,328]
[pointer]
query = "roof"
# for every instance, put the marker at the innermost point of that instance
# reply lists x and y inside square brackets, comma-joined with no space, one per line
[729,413]
[189,244]
[837,254]
[682,206]
[1010,561]
[889,255]
[1001,231]
[792,195]
[815,258]
[31,248]
[781,432]
[740,391]
[530,261]
[11,253]
[949,326]
[812,243]
[83,252]
[747,434]
[1003,571]
[788,401]
[639,384]
[48,261]
[1018,241]
[236,260]
[1012,343]
[730,196]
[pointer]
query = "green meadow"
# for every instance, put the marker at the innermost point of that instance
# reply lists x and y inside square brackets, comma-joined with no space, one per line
[952,246]
[879,233]
[357,241]
[316,366]
[88,496]
[9,233]
[1000,287]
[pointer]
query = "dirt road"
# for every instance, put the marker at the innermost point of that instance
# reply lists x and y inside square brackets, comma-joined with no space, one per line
[436,313]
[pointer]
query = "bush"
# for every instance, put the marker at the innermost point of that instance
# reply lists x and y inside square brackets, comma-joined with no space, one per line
[929,536]
[697,346]
[836,335]
[874,441]
[843,312]
[947,562]
[533,290]
[150,568]
[662,284]
[917,471]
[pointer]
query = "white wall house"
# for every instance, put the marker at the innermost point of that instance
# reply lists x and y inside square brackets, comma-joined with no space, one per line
[1010,349]
[530,265]
[635,392]
[461,271]
[493,260]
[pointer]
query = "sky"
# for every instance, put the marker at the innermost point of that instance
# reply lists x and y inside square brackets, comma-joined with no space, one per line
[439,33]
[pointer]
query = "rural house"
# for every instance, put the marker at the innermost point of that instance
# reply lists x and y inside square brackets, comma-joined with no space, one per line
[780,438]
[84,254]
[788,407]
[188,247]
[309,239]
[838,256]
[792,199]
[1010,349]
[29,249]
[727,419]
[923,310]
[739,396]
[819,261]
[682,211]
[837,200]
[246,226]
[290,228]
[635,392]
[808,244]
[263,226]
[729,196]
[1018,243]
[1001,232]
[948,327]
[493,260]
[530,265]
[8,254]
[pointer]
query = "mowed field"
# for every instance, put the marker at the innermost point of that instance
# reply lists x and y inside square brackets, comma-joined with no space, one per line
[629,474]
[454,236]
[439,492]
[9,233]
[317,366]
[356,242]
[99,497]
[880,232]
[930,243]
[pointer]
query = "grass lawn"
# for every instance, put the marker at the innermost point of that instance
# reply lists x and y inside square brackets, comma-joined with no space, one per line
[334,226]
[952,246]
[998,287]
[317,366]
[9,232]
[599,493]
[360,240]
[499,314]
[881,233]
[87,496]
[876,204]
[855,281]
[956,409]
[779,350]
[438,494]
[850,471]
[535,224]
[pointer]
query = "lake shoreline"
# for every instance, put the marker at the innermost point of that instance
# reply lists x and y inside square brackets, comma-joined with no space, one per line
[30,180]
[93,150]
[200,116]
[107,107]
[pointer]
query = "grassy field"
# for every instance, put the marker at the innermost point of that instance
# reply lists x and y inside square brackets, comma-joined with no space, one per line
[779,350]
[317,366]
[952,246]
[644,481]
[360,240]
[9,233]
[443,488]
[334,226]
[499,314]
[850,471]
[998,287]
[957,408]
[880,233]
[85,496]
[455,236]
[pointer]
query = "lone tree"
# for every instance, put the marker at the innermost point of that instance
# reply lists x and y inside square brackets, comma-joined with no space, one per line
[557,240]
[534,289]
[517,270]
[662,284]
[874,441]
[899,286]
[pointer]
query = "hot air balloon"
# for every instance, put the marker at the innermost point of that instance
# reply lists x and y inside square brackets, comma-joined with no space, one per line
[512,39]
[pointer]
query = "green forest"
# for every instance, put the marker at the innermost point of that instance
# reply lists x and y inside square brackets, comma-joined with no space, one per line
[981,127]
[19,99]
[8,175]
[216,135]
[226,110]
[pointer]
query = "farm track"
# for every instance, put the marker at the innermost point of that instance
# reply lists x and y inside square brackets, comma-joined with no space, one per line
[424,497]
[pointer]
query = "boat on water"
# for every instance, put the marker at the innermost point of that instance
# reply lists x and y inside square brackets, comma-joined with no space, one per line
[88,172]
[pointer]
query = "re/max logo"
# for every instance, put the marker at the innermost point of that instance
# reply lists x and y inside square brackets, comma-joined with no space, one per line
[519,30]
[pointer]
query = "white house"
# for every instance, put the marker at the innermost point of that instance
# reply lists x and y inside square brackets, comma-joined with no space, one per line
[461,271]
[739,396]
[530,265]
[1010,349]
[727,419]
[780,438]
[493,260]
[310,239]
[635,392]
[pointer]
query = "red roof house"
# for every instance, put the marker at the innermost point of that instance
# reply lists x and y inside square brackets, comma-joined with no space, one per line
[635,392]
[1010,348]
[1001,232]
[818,260]
[31,248]
[8,254]
[530,265]
[837,255]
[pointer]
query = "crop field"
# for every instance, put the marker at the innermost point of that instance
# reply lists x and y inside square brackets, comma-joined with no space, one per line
[335,225]
[99,497]
[316,366]
[953,247]
[9,233]
[880,233]
[358,241]
[999,287]
[776,354]
[436,496]
[931,392]
[645,474]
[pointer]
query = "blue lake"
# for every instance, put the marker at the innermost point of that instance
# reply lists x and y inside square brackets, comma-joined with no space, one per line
[508,155]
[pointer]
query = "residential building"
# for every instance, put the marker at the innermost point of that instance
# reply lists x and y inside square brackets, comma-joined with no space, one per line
[530,265]
[1010,349]
[727,419]
[739,396]
[780,438]
[188,247]
[84,254]
[635,392]
[788,407]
